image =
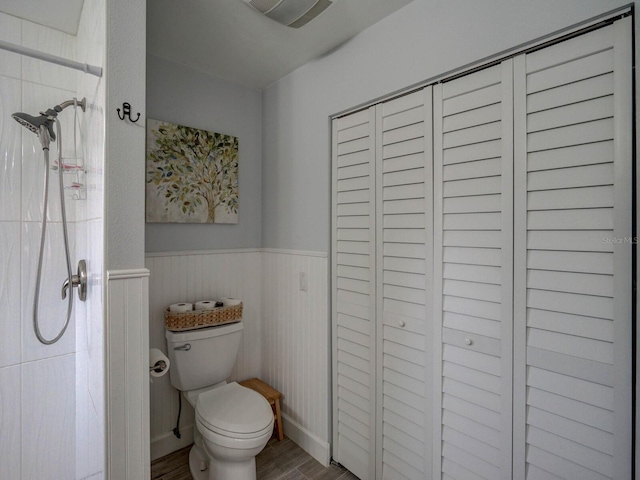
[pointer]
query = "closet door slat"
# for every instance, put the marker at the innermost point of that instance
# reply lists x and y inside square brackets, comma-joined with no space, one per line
[473,280]
[354,291]
[403,262]
[573,177]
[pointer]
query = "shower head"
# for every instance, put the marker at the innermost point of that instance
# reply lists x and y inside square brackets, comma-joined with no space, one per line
[35,123]
[42,125]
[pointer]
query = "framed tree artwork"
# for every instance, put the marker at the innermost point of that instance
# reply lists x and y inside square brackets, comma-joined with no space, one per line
[192,175]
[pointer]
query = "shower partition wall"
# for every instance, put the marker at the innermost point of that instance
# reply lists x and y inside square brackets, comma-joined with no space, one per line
[51,397]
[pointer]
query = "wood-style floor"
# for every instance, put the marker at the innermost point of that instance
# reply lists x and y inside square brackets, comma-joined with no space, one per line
[278,461]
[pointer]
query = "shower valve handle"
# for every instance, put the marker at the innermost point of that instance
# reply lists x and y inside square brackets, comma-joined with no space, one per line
[79,280]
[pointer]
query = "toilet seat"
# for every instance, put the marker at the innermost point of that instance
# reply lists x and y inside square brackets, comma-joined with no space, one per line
[234,411]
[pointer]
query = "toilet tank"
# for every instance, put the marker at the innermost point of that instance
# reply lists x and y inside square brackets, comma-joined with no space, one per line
[204,357]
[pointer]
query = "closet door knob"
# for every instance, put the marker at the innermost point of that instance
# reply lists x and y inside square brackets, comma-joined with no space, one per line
[401,323]
[468,341]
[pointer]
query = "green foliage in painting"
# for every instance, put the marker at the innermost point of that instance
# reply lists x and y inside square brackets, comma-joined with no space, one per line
[194,169]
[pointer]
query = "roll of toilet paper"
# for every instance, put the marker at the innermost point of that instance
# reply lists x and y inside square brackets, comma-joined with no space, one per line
[158,363]
[230,302]
[180,307]
[205,305]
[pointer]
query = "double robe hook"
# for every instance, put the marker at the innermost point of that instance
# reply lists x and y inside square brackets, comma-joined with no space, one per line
[126,112]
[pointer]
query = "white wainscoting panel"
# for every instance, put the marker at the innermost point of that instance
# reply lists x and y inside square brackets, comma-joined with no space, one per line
[191,277]
[296,344]
[285,340]
[127,360]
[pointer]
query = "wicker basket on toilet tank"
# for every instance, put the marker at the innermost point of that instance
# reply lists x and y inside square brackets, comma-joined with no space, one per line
[178,321]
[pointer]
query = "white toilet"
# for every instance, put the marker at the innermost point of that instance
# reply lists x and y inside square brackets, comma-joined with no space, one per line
[233,423]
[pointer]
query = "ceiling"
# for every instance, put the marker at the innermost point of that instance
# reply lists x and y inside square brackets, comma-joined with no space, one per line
[227,38]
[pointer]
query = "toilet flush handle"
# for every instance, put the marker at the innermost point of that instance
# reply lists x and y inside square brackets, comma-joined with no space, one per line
[186,347]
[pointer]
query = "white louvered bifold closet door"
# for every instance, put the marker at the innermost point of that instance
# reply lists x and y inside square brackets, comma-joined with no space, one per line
[404,240]
[473,258]
[353,296]
[573,214]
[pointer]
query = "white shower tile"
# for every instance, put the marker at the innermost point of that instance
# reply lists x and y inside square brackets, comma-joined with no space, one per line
[90,134]
[33,186]
[89,243]
[95,308]
[10,149]
[54,42]
[52,309]
[81,309]
[89,420]
[81,210]
[89,327]
[90,50]
[91,34]
[48,418]
[95,268]
[10,31]
[34,99]
[10,317]
[92,154]
[10,430]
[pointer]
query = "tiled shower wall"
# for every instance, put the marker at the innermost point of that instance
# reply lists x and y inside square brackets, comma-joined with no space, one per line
[89,216]
[50,408]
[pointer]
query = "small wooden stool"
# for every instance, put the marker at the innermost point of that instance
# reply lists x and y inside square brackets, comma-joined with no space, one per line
[272,396]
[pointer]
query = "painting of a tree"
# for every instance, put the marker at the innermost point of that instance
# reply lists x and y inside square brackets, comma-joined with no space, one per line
[192,175]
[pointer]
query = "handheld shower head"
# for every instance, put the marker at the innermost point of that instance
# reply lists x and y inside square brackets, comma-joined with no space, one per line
[44,122]
[35,123]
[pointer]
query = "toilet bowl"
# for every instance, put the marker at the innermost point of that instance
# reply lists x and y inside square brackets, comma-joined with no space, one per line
[234,424]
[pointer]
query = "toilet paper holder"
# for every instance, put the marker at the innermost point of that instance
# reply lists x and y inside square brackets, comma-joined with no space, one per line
[159,366]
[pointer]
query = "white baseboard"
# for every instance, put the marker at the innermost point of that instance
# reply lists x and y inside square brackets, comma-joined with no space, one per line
[167,443]
[314,446]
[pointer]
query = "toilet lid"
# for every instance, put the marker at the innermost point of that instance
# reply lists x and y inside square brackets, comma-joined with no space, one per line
[235,409]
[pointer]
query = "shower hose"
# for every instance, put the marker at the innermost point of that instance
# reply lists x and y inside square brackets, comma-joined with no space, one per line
[36,298]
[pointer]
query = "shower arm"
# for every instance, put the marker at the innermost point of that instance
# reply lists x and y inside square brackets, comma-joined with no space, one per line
[53,112]
[82,104]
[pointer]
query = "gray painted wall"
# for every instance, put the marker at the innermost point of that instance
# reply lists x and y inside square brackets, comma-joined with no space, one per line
[424,39]
[124,142]
[182,95]
[285,131]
